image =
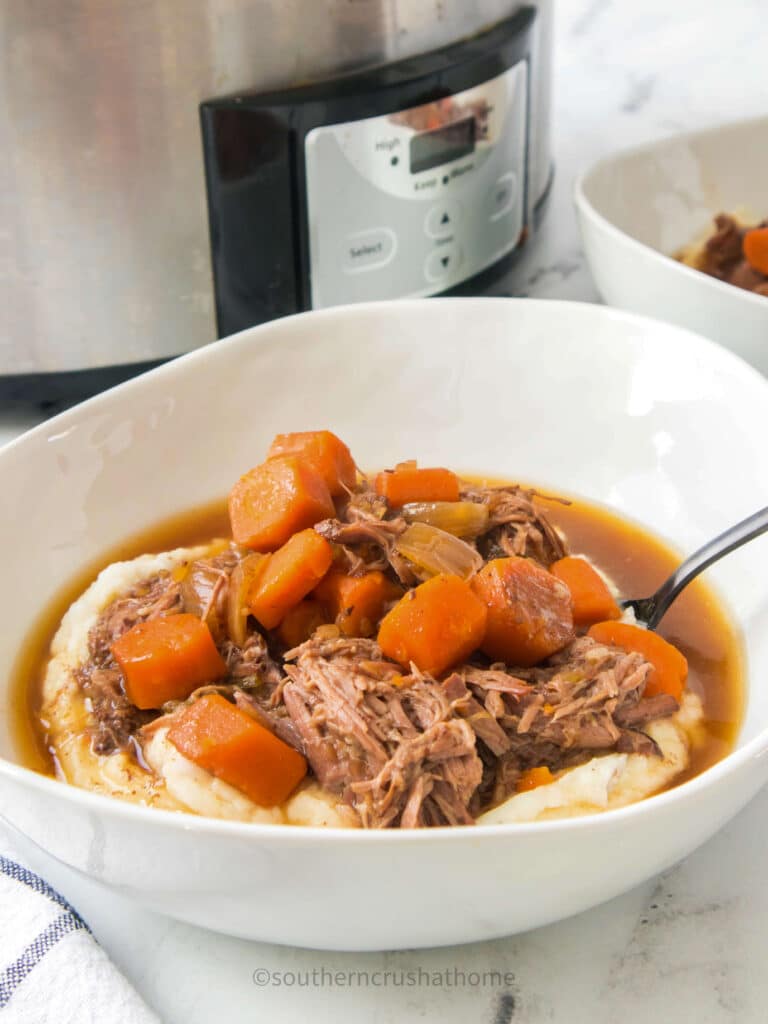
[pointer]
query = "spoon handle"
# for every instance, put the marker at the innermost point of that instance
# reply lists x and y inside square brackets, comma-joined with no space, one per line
[737,535]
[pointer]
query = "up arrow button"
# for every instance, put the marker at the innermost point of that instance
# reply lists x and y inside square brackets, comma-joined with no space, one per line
[442,219]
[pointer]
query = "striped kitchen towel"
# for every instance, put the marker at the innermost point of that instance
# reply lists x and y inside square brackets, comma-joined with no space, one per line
[52,971]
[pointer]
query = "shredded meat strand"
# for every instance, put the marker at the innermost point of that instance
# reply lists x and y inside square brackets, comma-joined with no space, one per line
[516,526]
[723,256]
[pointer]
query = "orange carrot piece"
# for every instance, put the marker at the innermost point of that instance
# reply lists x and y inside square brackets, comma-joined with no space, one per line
[301,622]
[228,743]
[275,500]
[529,611]
[436,625]
[755,249]
[166,659]
[357,602]
[532,778]
[592,600]
[405,483]
[289,575]
[670,668]
[324,452]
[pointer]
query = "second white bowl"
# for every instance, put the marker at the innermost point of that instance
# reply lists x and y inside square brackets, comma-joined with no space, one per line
[637,208]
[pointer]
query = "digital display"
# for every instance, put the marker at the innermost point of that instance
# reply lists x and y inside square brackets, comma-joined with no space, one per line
[430,149]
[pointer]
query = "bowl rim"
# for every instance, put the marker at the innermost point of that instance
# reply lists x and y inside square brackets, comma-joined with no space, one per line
[190,822]
[587,209]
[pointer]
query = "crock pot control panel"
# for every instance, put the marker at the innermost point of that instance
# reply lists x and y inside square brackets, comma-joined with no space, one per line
[410,179]
[417,201]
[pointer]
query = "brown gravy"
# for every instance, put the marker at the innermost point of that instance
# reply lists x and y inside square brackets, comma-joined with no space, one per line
[635,560]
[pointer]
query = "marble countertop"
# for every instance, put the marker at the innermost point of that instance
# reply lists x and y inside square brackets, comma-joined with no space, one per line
[688,946]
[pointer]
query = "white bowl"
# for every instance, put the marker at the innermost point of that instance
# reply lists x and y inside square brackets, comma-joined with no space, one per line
[639,207]
[654,421]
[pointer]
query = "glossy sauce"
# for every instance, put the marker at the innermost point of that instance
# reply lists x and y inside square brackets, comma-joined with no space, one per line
[635,560]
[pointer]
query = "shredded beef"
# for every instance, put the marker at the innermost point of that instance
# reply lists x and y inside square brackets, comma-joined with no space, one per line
[389,751]
[515,525]
[381,533]
[723,256]
[401,750]
[633,716]
[722,250]
[251,665]
[277,721]
[483,723]
[365,505]
[631,742]
[586,698]
[365,533]
[115,719]
[370,544]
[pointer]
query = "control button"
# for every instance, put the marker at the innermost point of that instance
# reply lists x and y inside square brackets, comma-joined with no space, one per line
[368,250]
[502,195]
[442,262]
[442,220]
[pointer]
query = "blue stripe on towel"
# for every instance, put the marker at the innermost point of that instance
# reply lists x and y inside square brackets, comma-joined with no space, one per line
[15,973]
[33,881]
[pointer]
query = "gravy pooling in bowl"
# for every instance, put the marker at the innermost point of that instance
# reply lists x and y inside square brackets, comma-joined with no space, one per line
[631,558]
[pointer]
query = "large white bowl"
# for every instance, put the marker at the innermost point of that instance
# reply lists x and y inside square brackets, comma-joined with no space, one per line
[637,208]
[650,419]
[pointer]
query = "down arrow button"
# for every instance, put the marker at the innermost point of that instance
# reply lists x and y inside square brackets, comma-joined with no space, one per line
[442,263]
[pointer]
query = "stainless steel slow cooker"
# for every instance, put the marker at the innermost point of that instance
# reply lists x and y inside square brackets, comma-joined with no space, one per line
[174,172]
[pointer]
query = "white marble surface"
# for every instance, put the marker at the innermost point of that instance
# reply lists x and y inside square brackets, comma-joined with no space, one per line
[690,946]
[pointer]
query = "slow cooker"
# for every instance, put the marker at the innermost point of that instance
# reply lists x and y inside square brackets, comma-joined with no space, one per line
[176,172]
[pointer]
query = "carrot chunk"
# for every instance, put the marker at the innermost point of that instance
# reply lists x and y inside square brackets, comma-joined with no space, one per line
[405,483]
[533,778]
[670,668]
[755,249]
[166,659]
[436,625]
[289,574]
[357,602]
[324,452]
[592,600]
[228,743]
[275,500]
[529,611]
[301,622]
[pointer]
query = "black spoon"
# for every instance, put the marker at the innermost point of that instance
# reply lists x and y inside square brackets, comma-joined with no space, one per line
[650,610]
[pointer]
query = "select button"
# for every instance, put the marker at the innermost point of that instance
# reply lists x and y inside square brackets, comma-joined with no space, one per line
[368,250]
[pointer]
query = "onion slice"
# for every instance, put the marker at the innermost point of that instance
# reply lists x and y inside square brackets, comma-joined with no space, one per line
[240,583]
[203,590]
[432,551]
[461,518]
